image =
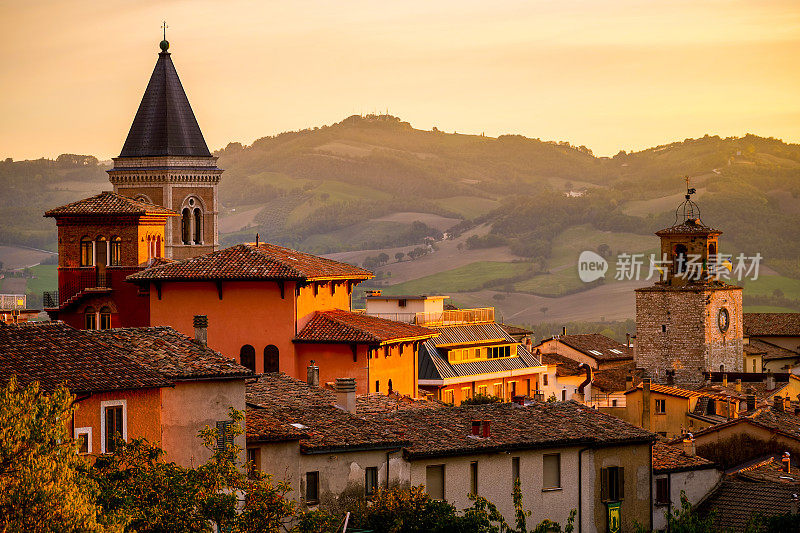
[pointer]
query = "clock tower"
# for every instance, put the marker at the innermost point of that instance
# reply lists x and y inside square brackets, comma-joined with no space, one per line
[688,322]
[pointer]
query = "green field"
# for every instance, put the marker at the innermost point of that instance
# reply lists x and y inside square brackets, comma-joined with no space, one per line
[767,309]
[555,284]
[463,279]
[355,237]
[571,242]
[46,279]
[766,286]
[468,206]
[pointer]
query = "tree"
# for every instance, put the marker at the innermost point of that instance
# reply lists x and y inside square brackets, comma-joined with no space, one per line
[399,256]
[383,258]
[544,309]
[43,487]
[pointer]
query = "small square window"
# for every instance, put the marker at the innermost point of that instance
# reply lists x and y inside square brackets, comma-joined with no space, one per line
[661,406]
[83,440]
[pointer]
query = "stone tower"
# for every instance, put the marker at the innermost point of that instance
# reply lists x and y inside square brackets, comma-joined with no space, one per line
[165,161]
[688,322]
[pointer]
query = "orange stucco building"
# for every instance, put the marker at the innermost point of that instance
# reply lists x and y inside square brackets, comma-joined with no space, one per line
[276,309]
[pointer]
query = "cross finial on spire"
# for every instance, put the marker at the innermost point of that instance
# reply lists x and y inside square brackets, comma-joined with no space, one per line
[164,27]
[164,45]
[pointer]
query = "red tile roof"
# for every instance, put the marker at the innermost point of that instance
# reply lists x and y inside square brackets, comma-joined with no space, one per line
[772,324]
[615,379]
[53,353]
[586,342]
[566,366]
[695,226]
[670,458]
[679,392]
[344,326]
[172,354]
[109,203]
[250,262]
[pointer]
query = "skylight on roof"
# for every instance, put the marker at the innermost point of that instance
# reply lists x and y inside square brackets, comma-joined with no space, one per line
[595,352]
[298,425]
[614,350]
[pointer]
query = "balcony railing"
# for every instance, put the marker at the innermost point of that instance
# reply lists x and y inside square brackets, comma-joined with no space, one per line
[12,301]
[50,299]
[73,281]
[454,317]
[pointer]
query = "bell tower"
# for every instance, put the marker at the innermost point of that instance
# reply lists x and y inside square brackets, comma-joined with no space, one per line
[688,322]
[165,161]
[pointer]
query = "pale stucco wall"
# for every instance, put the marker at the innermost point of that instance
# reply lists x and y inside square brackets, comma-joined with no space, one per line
[696,484]
[189,407]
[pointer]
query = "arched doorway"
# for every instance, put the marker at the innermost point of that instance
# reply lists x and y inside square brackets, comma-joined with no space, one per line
[271,359]
[247,357]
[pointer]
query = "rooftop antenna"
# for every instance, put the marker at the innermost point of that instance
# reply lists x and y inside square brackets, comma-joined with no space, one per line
[256,240]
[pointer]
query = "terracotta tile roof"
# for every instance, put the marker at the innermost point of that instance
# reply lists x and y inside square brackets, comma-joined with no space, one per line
[447,432]
[277,401]
[109,203]
[614,379]
[250,262]
[346,327]
[786,424]
[172,354]
[516,330]
[587,343]
[434,365]
[53,353]
[566,366]
[670,458]
[679,392]
[769,351]
[772,324]
[760,488]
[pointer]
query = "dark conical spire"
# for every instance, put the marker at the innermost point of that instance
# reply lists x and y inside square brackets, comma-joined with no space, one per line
[164,123]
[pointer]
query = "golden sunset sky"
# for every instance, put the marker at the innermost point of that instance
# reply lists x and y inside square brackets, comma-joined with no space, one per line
[610,75]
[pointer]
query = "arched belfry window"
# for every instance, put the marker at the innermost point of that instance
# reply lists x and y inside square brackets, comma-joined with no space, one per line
[198,226]
[680,258]
[186,226]
[247,357]
[271,359]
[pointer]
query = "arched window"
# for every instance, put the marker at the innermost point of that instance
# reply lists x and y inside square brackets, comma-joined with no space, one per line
[712,250]
[271,359]
[198,226]
[105,318]
[90,318]
[87,252]
[116,251]
[680,258]
[247,357]
[186,223]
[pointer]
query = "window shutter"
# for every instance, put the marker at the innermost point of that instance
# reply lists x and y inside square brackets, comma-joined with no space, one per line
[604,484]
[621,481]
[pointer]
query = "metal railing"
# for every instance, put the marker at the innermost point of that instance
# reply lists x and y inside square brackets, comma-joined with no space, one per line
[453,317]
[76,280]
[13,301]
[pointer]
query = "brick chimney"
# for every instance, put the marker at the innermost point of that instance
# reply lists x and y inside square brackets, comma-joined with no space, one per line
[312,375]
[751,402]
[346,394]
[778,403]
[628,382]
[786,462]
[646,404]
[769,380]
[200,323]
[688,445]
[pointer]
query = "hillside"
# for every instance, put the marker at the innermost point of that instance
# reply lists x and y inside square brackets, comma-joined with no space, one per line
[516,211]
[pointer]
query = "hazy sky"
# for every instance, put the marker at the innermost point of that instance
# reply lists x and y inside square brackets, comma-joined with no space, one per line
[608,74]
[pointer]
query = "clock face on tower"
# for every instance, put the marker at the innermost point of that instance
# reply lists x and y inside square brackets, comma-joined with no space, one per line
[723,320]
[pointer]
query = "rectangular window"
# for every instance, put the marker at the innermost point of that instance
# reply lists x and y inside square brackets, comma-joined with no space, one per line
[514,471]
[224,434]
[377,386]
[662,491]
[312,488]
[105,320]
[113,416]
[661,406]
[528,387]
[473,477]
[544,380]
[83,440]
[371,480]
[507,351]
[447,396]
[116,252]
[551,471]
[477,353]
[466,393]
[90,320]
[612,484]
[512,389]
[483,390]
[402,303]
[434,481]
[564,395]
[253,460]
[498,390]
[87,253]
